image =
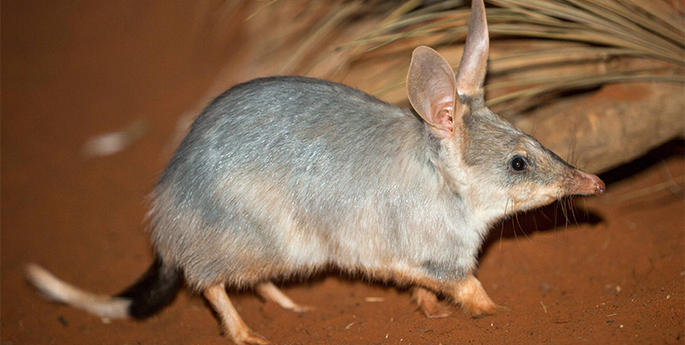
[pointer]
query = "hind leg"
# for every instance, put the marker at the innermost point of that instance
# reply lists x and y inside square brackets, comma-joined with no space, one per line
[269,291]
[230,320]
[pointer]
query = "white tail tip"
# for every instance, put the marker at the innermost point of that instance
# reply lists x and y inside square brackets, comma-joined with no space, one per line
[60,291]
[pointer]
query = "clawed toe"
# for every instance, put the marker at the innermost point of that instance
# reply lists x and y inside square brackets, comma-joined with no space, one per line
[250,337]
[429,304]
[300,308]
[485,309]
[270,292]
[436,313]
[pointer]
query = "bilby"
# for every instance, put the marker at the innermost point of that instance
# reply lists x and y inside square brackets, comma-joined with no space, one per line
[285,176]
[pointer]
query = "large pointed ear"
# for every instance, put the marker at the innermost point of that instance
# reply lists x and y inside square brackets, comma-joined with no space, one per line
[474,60]
[432,90]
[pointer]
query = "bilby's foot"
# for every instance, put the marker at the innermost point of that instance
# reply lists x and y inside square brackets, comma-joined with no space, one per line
[250,337]
[270,292]
[230,320]
[429,304]
[469,293]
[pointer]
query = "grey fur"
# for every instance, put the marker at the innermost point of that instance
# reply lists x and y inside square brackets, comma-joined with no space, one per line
[285,175]
[492,142]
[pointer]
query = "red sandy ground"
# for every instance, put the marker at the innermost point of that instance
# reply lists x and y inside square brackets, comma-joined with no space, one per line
[73,72]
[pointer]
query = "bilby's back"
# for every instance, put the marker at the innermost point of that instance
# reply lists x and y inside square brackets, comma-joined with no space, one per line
[281,175]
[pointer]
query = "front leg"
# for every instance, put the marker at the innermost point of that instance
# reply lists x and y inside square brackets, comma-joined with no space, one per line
[428,303]
[450,279]
[469,293]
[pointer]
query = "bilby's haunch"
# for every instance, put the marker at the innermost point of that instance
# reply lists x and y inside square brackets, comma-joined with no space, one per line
[285,176]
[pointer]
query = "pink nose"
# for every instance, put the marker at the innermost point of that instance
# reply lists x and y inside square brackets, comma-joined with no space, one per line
[588,183]
[600,187]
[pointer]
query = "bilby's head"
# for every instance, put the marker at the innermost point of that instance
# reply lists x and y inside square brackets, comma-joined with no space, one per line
[494,166]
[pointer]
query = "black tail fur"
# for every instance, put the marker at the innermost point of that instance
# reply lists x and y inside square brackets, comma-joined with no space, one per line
[153,291]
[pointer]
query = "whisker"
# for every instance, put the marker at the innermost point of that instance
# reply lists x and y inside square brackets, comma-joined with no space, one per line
[571,205]
[565,213]
[523,231]
[514,228]
[501,231]
[556,213]
[544,214]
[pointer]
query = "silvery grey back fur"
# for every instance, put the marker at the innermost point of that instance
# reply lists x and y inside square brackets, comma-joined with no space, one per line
[263,187]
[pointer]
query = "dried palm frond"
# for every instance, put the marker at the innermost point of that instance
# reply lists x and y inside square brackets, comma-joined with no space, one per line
[543,47]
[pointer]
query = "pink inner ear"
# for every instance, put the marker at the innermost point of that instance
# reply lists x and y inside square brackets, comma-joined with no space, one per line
[432,90]
[442,114]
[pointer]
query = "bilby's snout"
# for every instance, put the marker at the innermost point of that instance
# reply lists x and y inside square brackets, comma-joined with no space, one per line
[585,184]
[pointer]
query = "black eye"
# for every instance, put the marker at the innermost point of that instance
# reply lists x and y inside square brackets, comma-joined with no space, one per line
[518,163]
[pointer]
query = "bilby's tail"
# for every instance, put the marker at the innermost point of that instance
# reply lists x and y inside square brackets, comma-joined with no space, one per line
[154,290]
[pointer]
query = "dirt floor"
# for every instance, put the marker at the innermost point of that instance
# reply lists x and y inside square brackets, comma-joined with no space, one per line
[614,275]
